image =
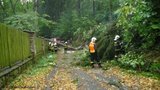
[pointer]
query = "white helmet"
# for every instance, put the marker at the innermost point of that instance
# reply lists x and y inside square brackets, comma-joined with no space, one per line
[93,39]
[116,37]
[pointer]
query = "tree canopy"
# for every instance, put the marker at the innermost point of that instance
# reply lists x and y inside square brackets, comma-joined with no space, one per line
[136,21]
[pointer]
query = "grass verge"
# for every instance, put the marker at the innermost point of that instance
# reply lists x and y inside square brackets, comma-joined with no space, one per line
[34,75]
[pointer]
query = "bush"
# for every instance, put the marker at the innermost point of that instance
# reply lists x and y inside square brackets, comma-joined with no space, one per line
[155,67]
[133,60]
[108,64]
[82,58]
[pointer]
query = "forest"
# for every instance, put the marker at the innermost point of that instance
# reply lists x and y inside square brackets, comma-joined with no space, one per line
[137,22]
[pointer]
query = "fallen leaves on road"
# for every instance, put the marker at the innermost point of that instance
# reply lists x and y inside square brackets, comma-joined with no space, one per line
[34,78]
[63,81]
[134,81]
[36,81]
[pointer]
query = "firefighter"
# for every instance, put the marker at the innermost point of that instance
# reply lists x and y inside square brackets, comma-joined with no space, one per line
[65,47]
[117,45]
[51,46]
[93,52]
[55,45]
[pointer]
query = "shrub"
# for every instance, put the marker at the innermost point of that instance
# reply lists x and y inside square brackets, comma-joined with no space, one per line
[82,58]
[133,60]
[155,67]
[108,64]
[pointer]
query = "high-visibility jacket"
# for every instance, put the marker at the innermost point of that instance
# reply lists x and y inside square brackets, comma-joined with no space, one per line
[92,47]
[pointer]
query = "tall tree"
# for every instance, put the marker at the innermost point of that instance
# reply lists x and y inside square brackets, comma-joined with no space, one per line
[4,14]
[54,8]
[79,7]
[94,8]
[110,10]
[36,5]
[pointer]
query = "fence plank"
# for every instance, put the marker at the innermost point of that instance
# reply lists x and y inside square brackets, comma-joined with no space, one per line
[15,46]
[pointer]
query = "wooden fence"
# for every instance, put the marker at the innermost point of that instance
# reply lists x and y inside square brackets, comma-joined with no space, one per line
[15,46]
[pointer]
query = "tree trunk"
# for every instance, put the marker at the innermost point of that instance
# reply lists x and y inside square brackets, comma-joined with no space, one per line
[110,11]
[3,8]
[36,5]
[94,8]
[27,5]
[12,6]
[33,45]
[79,7]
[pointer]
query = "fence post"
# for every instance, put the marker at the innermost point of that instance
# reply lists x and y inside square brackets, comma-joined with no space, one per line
[43,45]
[33,45]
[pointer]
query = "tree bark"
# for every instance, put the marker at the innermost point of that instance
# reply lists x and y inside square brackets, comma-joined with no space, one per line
[13,6]
[36,5]
[3,8]
[33,45]
[27,5]
[79,7]
[94,8]
[110,10]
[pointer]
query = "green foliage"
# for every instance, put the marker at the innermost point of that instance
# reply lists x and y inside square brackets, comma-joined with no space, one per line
[83,27]
[82,22]
[133,60]
[29,21]
[104,8]
[70,25]
[137,20]
[82,58]
[139,62]
[43,62]
[108,64]
[105,42]
[155,67]
[12,7]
